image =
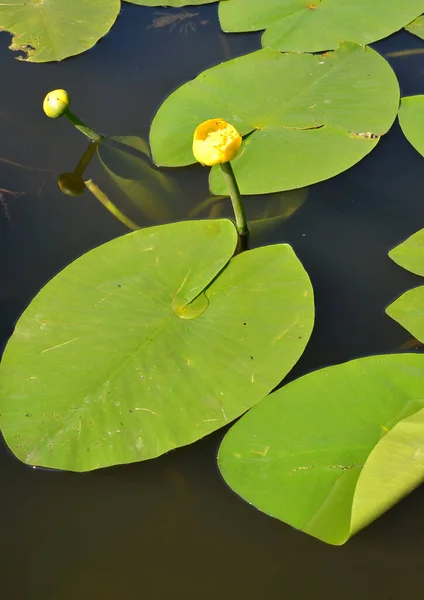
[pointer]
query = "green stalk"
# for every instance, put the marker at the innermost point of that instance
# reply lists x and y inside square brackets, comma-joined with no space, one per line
[86,158]
[103,199]
[240,215]
[81,126]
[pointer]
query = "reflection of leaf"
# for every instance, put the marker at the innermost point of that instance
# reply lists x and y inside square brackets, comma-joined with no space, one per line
[57,29]
[417,27]
[309,117]
[331,451]
[408,309]
[126,160]
[158,338]
[411,119]
[316,25]
[175,3]
[277,208]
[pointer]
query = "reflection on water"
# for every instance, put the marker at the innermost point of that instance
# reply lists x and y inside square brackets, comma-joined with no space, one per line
[170,528]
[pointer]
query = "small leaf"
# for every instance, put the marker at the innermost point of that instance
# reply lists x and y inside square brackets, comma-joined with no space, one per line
[411,119]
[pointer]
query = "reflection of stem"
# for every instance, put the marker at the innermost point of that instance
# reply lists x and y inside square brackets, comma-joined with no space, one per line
[81,126]
[404,53]
[223,40]
[240,215]
[16,164]
[86,158]
[101,197]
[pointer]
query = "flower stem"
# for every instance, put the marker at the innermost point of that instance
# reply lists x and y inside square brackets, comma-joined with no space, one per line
[240,215]
[81,126]
[103,199]
[86,158]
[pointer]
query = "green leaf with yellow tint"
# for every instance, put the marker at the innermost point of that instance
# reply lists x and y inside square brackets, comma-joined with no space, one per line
[306,118]
[331,451]
[417,27]
[317,25]
[411,120]
[150,342]
[55,29]
[408,309]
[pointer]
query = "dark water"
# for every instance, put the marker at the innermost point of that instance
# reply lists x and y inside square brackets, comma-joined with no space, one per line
[170,528]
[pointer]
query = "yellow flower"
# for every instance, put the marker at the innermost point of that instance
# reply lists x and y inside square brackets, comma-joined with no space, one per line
[56,103]
[215,141]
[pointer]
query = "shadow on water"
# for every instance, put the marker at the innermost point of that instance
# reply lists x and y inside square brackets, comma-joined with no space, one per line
[170,528]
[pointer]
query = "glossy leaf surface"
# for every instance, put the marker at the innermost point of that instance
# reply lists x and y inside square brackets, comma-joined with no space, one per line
[150,342]
[52,30]
[302,26]
[304,118]
[333,450]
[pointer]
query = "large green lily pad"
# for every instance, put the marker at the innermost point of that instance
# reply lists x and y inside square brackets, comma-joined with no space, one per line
[49,30]
[305,118]
[408,309]
[317,25]
[126,159]
[417,27]
[333,450]
[150,342]
[411,119]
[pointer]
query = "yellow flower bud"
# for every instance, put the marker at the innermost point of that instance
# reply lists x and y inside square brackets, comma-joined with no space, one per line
[215,141]
[56,103]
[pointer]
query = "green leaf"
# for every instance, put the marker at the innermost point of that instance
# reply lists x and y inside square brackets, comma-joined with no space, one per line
[150,342]
[410,253]
[408,309]
[332,450]
[411,119]
[417,27]
[308,117]
[317,25]
[49,30]
[127,161]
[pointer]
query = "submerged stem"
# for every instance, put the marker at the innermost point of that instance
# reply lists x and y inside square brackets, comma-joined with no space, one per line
[240,215]
[103,199]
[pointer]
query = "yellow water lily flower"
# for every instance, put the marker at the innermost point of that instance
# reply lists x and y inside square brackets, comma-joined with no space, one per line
[215,141]
[56,103]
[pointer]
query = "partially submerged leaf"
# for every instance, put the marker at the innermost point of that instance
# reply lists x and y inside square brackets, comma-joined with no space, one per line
[411,119]
[304,118]
[332,450]
[317,25]
[150,342]
[127,161]
[55,29]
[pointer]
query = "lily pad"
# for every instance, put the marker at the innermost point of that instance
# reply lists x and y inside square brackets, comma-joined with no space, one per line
[126,159]
[417,27]
[333,450]
[54,29]
[317,25]
[304,118]
[408,309]
[411,119]
[150,342]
